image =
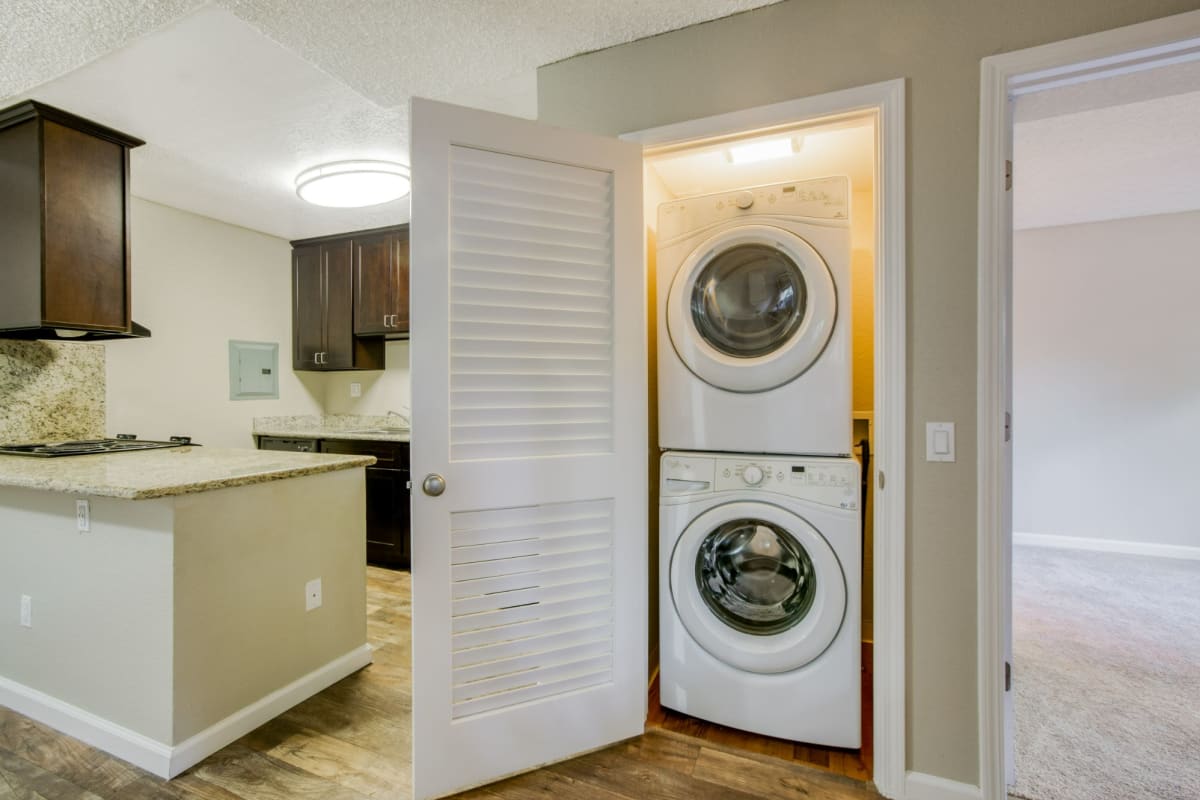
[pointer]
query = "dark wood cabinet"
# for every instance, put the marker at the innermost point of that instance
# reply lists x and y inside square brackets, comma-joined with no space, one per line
[322,313]
[349,293]
[381,283]
[64,222]
[389,532]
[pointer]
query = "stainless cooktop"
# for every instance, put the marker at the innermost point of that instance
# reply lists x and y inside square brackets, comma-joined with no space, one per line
[86,447]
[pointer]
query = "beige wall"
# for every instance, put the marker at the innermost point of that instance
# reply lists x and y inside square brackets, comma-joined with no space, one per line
[807,47]
[102,605]
[244,556]
[1106,379]
[382,390]
[197,283]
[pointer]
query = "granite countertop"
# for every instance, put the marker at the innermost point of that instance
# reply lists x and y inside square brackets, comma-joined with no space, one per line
[333,426]
[145,474]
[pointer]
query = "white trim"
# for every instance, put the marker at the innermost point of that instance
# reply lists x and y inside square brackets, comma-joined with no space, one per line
[162,759]
[919,786]
[1043,66]
[1107,545]
[142,751]
[208,741]
[886,100]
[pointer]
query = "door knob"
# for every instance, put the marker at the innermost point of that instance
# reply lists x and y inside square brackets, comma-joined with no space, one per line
[434,484]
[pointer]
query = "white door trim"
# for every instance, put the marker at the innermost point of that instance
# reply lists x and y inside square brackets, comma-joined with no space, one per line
[1142,46]
[886,100]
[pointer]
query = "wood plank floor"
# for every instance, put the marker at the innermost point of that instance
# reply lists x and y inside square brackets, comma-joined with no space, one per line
[353,741]
[851,763]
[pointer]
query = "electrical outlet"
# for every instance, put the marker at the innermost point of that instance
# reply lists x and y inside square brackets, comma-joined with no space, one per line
[83,515]
[356,389]
[26,611]
[312,594]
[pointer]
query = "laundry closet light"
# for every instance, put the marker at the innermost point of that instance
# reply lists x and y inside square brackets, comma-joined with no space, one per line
[764,150]
[353,184]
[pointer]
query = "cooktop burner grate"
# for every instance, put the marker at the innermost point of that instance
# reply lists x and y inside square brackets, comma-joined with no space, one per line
[86,447]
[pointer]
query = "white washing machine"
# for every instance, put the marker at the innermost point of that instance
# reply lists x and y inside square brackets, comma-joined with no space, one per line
[760,592]
[754,338]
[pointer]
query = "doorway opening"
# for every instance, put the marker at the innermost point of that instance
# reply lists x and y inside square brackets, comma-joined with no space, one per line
[1020,268]
[852,134]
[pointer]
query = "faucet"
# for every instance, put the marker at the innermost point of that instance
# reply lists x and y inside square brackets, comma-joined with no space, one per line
[403,417]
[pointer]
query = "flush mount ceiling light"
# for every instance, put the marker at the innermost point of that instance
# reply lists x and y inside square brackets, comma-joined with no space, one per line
[353,184]
[764,150]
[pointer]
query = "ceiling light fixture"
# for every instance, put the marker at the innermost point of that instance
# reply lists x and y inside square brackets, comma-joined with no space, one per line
[353,184]
[763,150]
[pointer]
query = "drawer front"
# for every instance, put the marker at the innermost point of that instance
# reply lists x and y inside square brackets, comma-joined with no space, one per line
[389,455]
[292,445]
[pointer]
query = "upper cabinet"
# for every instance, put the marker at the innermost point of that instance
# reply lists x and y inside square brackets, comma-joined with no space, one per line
[349,293]
[64,225]
[322,314]
[381,283]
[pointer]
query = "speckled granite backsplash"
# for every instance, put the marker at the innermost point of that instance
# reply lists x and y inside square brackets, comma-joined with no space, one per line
[50,391]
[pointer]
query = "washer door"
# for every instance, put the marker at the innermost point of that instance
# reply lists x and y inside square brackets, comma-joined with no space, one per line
[751,308]
[757,587]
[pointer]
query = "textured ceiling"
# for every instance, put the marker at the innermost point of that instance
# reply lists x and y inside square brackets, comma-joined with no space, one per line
[235,97]
[1121,147]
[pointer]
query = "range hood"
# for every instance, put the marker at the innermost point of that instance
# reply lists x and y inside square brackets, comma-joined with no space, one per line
[64,221]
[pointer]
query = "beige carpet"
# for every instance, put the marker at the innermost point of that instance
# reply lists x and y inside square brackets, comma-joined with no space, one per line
[1107,668]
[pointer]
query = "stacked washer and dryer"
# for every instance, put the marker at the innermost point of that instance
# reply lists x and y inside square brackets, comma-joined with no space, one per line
[760,548]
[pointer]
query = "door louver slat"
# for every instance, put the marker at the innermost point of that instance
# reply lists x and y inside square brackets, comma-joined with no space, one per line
[530,307]
[531,603]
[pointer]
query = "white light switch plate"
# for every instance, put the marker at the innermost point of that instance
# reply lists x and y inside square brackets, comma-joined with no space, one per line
[939,441]
[356,389]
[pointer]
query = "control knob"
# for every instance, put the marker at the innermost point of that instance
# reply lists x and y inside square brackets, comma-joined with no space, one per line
[743,200]
[752,475]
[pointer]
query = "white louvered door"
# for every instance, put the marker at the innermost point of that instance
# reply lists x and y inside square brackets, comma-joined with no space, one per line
[529,400]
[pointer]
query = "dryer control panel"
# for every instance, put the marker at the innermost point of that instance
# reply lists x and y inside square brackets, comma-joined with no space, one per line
[824,199]
[828,481]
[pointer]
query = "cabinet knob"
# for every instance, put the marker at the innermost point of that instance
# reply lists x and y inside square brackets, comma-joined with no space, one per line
[433,485]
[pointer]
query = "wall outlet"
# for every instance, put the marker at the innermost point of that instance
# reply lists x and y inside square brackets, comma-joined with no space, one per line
[356,390]
[83,515]
[312,594]
[26,611]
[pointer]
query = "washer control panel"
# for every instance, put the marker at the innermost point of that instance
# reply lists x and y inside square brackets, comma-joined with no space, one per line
[828,481]
[832,481]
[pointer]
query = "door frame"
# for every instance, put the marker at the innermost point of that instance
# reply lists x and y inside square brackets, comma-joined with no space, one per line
[1146,45]
[886,101]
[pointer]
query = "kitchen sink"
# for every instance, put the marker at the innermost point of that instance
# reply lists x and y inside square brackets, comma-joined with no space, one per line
[379,430]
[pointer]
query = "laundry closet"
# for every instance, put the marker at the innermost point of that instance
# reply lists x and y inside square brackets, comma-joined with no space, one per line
[760,280]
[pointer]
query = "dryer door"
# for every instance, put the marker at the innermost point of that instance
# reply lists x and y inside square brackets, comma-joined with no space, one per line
[758,587]
[751,308]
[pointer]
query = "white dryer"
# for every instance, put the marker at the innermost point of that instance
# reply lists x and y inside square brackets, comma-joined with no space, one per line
[753,307]
[760,593]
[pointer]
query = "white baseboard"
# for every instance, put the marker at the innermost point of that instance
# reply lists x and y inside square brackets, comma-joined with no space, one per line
[210,740]
[1107,545]
[919,786]
[149,754]
[157,757]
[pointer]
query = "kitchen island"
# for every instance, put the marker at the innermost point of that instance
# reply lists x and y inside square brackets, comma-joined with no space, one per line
[179,608]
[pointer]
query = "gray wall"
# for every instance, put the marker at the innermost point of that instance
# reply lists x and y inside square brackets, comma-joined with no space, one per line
[1106,379]
[807,47]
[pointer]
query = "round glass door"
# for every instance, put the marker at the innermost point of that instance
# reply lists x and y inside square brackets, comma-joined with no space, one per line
[757,586]
[751,308]
[749,300]
[755,576]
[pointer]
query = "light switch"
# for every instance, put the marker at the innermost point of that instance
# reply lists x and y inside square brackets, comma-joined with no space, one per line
[939,441]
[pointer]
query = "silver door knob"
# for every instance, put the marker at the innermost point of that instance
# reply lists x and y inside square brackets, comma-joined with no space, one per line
[433,485]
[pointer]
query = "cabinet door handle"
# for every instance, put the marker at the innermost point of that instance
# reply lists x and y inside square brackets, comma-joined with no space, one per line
[385,320]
